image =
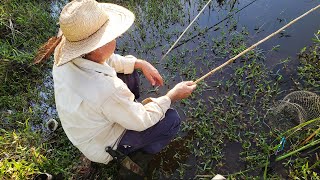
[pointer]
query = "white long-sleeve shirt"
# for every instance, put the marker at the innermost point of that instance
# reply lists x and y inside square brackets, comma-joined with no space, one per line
[95,106]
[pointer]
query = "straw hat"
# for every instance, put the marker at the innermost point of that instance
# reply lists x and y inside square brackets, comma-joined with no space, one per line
[87,25]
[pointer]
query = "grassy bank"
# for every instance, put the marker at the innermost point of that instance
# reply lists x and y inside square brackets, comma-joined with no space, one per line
[26,99]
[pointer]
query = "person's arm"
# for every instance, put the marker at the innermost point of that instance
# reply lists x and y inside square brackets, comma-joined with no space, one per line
[126,65]
[121,108]
[122,64]
[150,72]
[181,91]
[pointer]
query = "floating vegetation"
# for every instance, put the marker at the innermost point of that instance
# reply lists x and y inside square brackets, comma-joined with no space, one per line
[310,63]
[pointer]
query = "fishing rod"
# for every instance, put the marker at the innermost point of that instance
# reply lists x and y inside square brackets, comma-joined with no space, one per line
[185,31]
[255,45]
[227,17]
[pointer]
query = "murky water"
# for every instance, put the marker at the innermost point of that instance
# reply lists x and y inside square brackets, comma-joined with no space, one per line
[202,47]
[258,17]
[56,7]
[271,15]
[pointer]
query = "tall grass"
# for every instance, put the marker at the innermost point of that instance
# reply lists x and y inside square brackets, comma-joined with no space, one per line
[24,151]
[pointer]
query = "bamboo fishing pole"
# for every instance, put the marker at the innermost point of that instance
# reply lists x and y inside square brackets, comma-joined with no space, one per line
[255,45]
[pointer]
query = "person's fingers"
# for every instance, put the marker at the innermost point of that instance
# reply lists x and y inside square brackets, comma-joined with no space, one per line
[156,77]
[159,80]
[152,81]
[193,87]
[190,86]
[158,83]
[190,83]
[152,75]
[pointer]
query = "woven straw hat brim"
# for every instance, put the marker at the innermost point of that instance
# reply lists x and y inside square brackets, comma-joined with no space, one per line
[120,20]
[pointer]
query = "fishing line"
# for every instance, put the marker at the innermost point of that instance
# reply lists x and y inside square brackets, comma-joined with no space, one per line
[227,17]
[185,31]
[255,45]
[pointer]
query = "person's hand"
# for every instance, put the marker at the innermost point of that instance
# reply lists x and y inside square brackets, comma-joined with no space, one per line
[150,72]
[181,90]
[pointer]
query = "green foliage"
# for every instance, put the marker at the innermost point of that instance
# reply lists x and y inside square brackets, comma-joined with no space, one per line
[18,84]
[24,25]
[24,154]
[303,170]
[153,11]
[25,147]
[310,64]
[21,155]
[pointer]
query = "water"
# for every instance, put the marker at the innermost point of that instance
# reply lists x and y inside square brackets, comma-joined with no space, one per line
[154,33]
[275,14]
[56,7]
[269,16]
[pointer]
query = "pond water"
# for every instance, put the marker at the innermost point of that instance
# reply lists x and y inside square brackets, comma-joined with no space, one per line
[272,15]
[157,28]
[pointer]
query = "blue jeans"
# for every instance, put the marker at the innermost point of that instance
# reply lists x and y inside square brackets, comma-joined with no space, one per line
[155,138]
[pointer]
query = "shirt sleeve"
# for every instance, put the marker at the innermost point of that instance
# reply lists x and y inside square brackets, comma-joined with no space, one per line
[121,109]
[122,64]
